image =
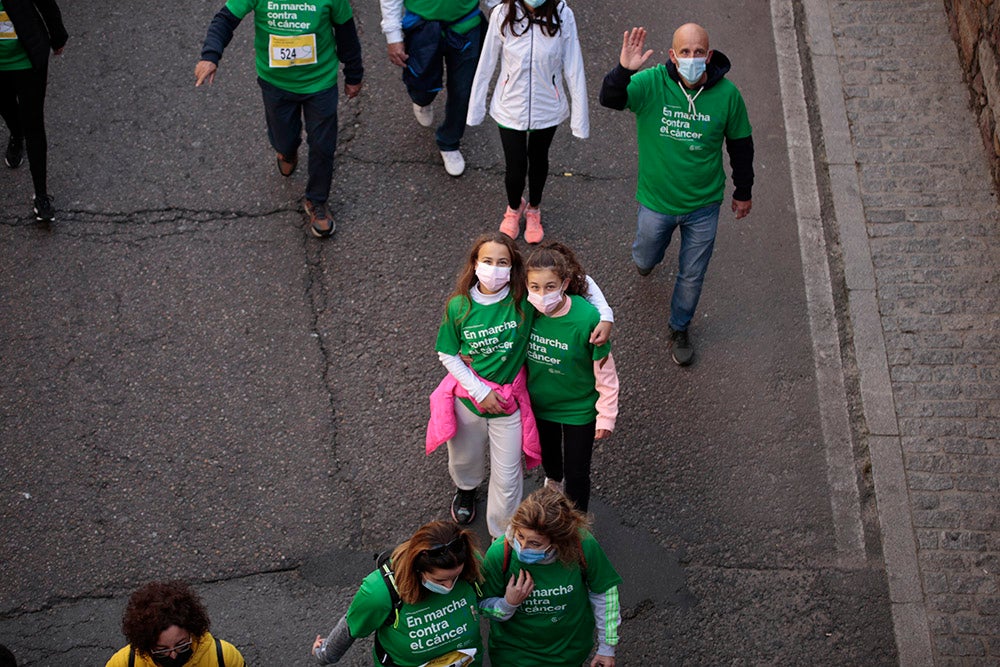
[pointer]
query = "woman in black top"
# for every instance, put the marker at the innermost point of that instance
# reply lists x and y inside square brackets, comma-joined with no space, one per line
[28,30]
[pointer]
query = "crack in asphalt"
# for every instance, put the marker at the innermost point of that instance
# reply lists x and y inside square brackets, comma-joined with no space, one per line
[145,217]
[59,601]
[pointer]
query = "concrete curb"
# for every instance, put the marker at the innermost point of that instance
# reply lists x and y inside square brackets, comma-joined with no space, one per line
[829,368]
[892,499]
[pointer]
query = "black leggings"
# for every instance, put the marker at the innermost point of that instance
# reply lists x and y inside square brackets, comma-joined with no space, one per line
[527,155]
[566,454]
[22,106]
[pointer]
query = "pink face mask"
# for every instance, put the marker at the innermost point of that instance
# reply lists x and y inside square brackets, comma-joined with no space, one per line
[545,303]
[492,278]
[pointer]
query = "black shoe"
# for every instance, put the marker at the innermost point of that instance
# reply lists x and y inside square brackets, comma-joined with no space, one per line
[682,351]
[43,209]
[463,506]
[642,271]
[15,152]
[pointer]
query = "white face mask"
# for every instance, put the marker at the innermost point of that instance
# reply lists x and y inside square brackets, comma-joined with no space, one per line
[545,303]
[492,278]
[691,68]
[435,587]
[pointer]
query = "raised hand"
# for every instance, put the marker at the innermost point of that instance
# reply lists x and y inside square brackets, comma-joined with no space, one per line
[633,42]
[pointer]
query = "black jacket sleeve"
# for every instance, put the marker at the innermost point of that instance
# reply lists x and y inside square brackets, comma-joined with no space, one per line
[349,51]
[39,28]
[614,89]
[220,33]
[53,23]
[741,158]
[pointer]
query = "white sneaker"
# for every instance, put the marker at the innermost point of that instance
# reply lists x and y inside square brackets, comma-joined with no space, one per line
[425,115]
[555,486]
[454,163]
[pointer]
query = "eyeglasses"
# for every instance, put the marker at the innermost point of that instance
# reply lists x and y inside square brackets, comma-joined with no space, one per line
[183,647]
[440,549]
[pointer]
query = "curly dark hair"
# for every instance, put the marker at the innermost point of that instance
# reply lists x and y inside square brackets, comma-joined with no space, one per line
[158,605]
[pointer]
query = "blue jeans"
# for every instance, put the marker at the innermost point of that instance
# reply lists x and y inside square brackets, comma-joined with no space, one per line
[652,237]
[284,112]
[427,45]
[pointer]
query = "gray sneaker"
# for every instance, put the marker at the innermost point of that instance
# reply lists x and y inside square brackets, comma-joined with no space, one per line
[681,350]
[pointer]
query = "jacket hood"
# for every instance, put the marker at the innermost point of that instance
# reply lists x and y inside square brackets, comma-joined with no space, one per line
[716,68]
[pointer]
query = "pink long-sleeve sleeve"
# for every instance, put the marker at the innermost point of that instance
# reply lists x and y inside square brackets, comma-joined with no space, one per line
[606,382]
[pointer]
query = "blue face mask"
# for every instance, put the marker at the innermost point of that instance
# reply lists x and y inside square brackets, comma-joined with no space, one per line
[534,4]
[691,68]
[435,587]
[528,556]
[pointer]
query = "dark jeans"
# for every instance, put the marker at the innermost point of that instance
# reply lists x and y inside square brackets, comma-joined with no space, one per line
[566,454]
[284,112]
[527,155]
[22,106]
[427,46]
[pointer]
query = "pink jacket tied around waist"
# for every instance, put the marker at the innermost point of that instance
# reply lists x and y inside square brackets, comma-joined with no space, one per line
[443,424]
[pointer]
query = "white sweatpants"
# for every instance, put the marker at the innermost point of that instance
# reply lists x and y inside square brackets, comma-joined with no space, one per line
[467,462]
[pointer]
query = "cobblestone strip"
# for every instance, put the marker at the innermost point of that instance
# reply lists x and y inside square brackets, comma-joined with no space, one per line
[932,230]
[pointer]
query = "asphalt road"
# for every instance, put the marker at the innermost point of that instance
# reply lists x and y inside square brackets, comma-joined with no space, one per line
[193,387]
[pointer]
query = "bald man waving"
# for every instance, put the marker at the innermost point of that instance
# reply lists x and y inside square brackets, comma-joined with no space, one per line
[684,111]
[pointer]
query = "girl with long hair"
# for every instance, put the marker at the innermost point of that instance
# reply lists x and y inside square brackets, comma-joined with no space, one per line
[421,606]
[537,44]
[482,404]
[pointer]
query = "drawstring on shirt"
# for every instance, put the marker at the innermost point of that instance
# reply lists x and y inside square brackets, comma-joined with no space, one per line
[691,108]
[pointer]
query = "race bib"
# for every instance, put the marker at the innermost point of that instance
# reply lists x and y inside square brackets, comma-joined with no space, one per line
[6,27]
[292,50]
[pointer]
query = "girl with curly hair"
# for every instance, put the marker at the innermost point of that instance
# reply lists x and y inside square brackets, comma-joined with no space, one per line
[572,382]
[166,626]
[548,583]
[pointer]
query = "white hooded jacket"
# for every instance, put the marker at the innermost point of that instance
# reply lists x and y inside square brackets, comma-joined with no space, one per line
[529,93]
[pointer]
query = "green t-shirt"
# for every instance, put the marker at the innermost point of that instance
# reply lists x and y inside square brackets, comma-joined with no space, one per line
[441,10]
[561,365]
[293,40]
[432,627]
[12,53]
[555,625]
[680,153]
[495,336]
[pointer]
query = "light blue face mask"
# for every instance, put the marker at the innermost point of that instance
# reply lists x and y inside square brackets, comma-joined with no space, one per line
[534,4]
[435,587]
[528,556]
[691,68]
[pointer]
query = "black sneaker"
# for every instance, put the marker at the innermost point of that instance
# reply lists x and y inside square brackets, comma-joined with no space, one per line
[642,271]
[15,152]
[43,209]
[463,506]
[681,349]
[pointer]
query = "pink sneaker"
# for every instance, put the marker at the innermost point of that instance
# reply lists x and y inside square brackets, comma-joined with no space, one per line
[511,225]
[533,231]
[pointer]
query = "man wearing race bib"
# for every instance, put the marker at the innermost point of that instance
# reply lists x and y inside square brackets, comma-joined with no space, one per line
[299,45]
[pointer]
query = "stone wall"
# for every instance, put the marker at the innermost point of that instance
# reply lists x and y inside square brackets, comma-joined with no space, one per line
[975,27]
